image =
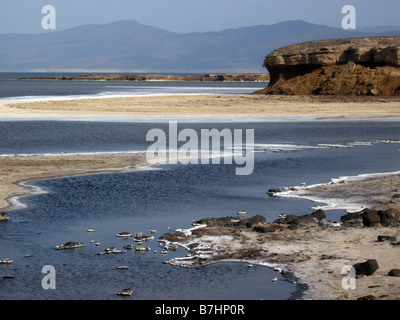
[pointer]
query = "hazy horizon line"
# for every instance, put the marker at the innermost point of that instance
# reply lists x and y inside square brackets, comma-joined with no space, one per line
[211,31]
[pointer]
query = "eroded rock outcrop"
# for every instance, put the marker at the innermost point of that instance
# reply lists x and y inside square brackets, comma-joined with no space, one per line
[360,66]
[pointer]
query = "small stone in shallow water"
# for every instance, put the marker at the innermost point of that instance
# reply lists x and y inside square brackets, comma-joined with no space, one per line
[125,292]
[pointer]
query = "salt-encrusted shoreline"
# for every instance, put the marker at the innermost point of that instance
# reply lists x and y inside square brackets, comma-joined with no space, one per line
[315,254]
[360,191]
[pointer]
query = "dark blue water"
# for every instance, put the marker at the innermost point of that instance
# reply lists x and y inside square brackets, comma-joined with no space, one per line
[287,154]
[11,87]
[26,137]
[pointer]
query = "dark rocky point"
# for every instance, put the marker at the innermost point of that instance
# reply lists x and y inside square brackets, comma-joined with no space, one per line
[352,66]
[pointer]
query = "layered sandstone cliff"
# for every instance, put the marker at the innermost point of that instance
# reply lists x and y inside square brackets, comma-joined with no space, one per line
[357,66]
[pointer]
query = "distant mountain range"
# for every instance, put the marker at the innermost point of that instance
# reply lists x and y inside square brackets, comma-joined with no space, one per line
[128,46]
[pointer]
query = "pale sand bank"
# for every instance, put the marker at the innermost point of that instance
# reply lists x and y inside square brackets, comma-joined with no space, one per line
[205,105]
[16,169]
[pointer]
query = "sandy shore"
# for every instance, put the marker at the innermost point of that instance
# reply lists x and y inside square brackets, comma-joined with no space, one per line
[205,105]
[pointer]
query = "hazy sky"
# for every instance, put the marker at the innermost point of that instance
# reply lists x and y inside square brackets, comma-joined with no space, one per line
[25,16]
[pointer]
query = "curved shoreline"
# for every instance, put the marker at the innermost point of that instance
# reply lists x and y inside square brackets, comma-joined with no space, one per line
[16,171]
[314,254]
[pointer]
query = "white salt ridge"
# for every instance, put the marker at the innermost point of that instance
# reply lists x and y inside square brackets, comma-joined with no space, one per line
[16,204]
[287,147]
[350,204]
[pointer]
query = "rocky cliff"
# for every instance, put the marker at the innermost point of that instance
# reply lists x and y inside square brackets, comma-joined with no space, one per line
[359,66]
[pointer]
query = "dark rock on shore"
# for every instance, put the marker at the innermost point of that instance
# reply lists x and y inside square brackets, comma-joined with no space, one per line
[304,220]
[394,273]
[352,219]
[371,218]
[266,228]
[368,297]
[366,268]
[232,222]
[173,236]
[253,221]
[219,222]
[389,217]
[319,215]
[386,238]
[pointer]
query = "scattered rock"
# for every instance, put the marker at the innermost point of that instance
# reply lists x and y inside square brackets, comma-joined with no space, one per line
[370,218]
[350,66]
[124,234]
[366,268]
[271,192]
[173,236]
[386,238]
[251,222]
[3,216]
[319,215]
[125,292]
[140,247]
[304,220]
[368,297]
[70,245]
[389,217]
[6,261]
[351,219]
[396,196]
[394,273]
[218,222]
[266,228]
